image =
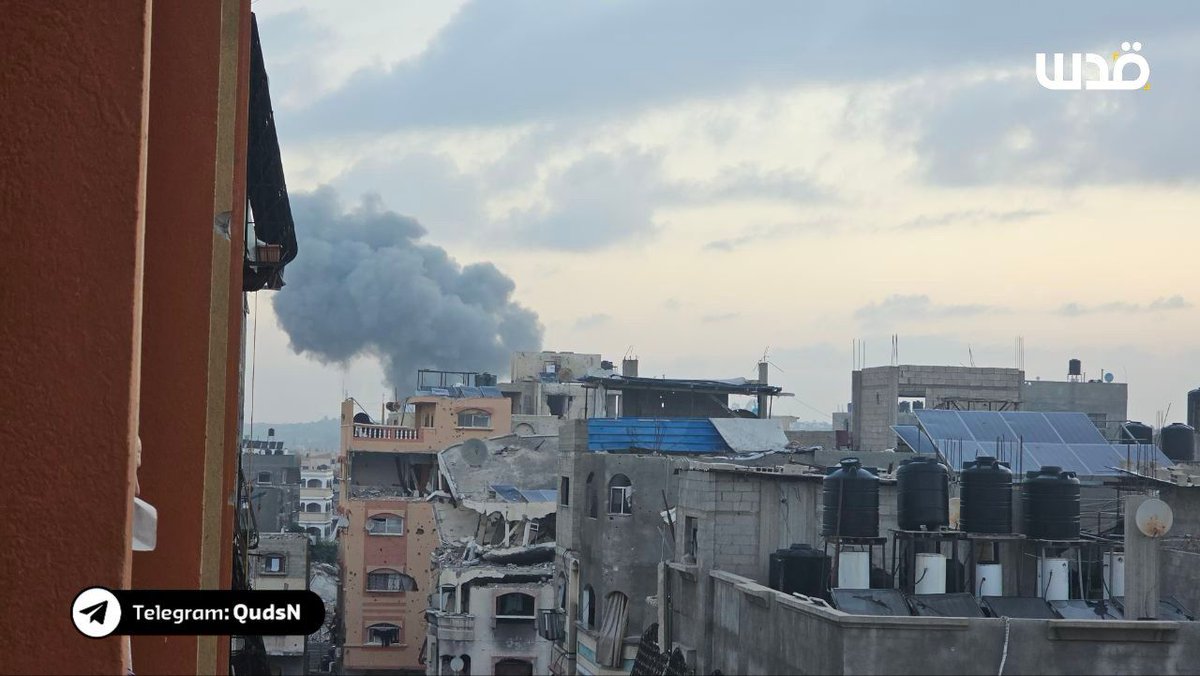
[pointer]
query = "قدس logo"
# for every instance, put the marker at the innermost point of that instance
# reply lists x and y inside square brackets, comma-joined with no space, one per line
[1114,79]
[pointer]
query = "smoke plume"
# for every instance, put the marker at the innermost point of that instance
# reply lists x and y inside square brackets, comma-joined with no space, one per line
[363,284]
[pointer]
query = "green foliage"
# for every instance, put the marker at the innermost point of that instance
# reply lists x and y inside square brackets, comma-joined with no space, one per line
[323,551]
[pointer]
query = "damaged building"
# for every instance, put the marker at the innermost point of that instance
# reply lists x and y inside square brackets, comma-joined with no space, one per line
[494,562]
[387,526]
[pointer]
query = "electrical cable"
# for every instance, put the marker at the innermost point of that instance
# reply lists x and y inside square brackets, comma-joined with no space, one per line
[1004,653]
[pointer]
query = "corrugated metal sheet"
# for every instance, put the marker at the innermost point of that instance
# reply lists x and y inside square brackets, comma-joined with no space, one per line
[669,435]
[750,435]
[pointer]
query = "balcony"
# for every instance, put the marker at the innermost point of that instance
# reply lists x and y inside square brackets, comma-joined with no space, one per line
[385,432]
[315,517]
[316,493]
[451,627]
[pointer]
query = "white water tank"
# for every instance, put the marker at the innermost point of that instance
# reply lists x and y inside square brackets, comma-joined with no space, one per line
[1053,579]
[854,570]
[930,575]
[1114,574]
[989,579]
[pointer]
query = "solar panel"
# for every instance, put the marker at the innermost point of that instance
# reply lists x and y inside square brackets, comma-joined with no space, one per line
[1025,607]
[886,602]
[1067,440]
[945,605]
[506,492]
[916,439]
[538,495]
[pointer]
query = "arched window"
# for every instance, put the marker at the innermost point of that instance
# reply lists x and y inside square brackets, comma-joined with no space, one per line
[475,418]
[388,580]
[620,495]
[587,607]
[609,644]
[264,477]
[383,634]
[385,524]
[313,507]
[590,490]
[314,483]
[515,606]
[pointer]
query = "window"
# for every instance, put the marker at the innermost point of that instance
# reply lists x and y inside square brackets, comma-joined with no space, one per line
[587,607]
[384,634]
[515,606]
[313,531]
[313,507]
[314,483]
[591,495]
[692,534]
[511,666]
[273,563]
[385,524]
[387,580]
[609,644]
[564,491]
[475,418]
[620,495]
[264,477]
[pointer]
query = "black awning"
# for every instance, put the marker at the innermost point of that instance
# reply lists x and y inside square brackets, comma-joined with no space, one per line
[265,185]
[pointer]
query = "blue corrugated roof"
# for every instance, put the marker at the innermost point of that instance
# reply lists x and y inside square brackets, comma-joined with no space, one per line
[671,435]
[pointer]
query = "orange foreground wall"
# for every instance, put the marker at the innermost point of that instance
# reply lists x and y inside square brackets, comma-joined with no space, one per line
[95,347]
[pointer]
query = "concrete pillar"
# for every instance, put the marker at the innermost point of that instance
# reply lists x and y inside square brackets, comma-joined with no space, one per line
[1141,566]
[72,200]
[763,400]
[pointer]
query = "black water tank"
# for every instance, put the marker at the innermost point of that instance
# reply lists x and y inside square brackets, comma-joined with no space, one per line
[1074,367]
[1136,432]
[850,501]
[1179,442]
[1050,504]
[800,569]
[922,494]
[985,500]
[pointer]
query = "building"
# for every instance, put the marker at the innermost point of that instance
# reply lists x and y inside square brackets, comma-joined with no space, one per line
[281,562]
[546,384]
[318,503]
[495,559]
[618,484]
[126,272]
[885,396]
[388,527]
[274,476]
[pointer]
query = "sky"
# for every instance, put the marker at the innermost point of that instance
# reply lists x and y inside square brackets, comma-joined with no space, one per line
[702,183]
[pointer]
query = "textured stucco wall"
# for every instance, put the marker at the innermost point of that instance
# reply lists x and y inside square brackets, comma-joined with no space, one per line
[71,222]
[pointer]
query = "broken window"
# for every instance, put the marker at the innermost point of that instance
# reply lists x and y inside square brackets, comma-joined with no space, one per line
[385,524]
[620,495]
[475,418]
[387,580]
[610,642]
[515,606]
[564,491]
[691,532]
[557,403]
[587,607]
[383,634]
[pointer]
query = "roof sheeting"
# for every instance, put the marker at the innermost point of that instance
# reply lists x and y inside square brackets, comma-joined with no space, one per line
[668,435]
[750,435]
[1068,440]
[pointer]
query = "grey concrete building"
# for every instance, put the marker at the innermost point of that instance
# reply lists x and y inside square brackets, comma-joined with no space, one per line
[281,562]
[274,478]
[884,396]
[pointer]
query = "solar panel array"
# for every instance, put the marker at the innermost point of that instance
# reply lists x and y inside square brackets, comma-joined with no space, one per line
[1067,440]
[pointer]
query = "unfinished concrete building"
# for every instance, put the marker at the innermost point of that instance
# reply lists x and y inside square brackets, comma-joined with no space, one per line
[546,385]
[884,396]
[494,561]
[281,562]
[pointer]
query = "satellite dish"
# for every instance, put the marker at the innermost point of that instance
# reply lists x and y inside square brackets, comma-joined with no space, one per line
[1154,518]
[1108,377]
[457,664]
[474,451]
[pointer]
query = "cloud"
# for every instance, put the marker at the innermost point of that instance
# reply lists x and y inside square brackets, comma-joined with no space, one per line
[904,308]
[720,317]
[970,217]
[770,232]
[1158,305]
[592,321]
[366,285]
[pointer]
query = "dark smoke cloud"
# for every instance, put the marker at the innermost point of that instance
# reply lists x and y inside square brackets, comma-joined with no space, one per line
[364,284]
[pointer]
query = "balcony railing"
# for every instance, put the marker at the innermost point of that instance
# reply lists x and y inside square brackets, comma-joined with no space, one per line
[316,493]
[452,627]
[315,517]
[386,432]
